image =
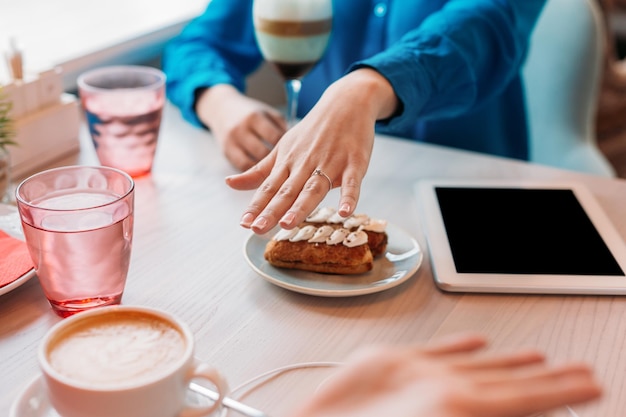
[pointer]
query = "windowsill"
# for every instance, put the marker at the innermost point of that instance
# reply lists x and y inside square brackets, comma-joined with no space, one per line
[77,34]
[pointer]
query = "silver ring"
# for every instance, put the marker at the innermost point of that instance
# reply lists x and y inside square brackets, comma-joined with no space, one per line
[323,174]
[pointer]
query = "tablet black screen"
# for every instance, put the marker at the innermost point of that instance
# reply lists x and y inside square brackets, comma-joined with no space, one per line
[522,231]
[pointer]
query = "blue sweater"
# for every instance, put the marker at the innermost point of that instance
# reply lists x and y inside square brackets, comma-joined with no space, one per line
[455,65]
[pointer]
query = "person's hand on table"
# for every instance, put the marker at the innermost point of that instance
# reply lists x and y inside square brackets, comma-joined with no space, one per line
[336,137]
[449,379]
[246,129]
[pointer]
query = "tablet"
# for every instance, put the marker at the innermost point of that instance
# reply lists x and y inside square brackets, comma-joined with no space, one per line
[520,237]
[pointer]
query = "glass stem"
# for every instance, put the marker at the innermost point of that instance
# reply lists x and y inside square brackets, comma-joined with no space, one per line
[293,91]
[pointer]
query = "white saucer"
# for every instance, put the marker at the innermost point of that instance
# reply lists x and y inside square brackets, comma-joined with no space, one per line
[11,225]
[402,260]
[33,401]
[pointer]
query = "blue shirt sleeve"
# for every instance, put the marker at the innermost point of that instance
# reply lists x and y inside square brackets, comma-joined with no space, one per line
[459,57]
[217,47]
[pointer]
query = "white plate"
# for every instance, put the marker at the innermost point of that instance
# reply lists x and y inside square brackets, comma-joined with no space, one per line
[402,260]
[33,401]
[10,224]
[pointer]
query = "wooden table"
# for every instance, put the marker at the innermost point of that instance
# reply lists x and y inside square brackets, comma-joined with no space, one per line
[188,259]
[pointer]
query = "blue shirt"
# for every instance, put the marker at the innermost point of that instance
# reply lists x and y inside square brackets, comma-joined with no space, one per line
[454,64]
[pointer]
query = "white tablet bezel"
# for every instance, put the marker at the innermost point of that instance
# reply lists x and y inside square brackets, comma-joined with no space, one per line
[448,279]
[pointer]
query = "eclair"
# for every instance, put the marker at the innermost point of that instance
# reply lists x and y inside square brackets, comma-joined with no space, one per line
[330,244]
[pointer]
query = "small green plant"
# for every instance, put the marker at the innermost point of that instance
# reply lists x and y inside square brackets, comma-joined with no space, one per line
[7,131]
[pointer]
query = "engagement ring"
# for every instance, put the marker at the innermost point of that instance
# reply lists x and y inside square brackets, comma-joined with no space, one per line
[323,174]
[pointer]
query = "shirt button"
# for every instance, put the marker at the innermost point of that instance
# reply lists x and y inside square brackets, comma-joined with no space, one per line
[380,9]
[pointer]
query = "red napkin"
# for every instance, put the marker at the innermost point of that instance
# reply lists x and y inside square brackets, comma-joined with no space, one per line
[14,259]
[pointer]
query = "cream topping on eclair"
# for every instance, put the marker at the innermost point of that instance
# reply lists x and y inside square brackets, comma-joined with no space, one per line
[304,233]
[321,234]
[355,220]
[360,221]
[335,218]
[332,235]
[320,215]
[338,236]
[374,225]
[355,239]
[284,234]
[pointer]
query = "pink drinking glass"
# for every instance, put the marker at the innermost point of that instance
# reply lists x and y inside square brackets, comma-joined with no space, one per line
[78,226]
[123,106]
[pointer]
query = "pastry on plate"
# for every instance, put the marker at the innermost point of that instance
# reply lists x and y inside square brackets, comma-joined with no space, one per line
[328,243]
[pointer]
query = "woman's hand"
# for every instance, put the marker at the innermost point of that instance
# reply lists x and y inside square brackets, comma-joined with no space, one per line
[336,137]
[245,128]
[449,379]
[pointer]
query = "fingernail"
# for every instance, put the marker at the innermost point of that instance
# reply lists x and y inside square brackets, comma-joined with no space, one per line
[260,223]
[344,209]
[287,219]
[246,220]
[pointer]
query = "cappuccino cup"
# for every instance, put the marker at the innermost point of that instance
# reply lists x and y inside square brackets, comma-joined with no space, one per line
[124,361]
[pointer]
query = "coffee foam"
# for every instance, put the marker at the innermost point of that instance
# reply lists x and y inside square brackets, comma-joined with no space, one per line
[292,50]
[117,349]
[290,10]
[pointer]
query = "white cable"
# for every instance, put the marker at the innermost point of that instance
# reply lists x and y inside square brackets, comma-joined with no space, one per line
[571,412]
[283,369]
[274,372]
